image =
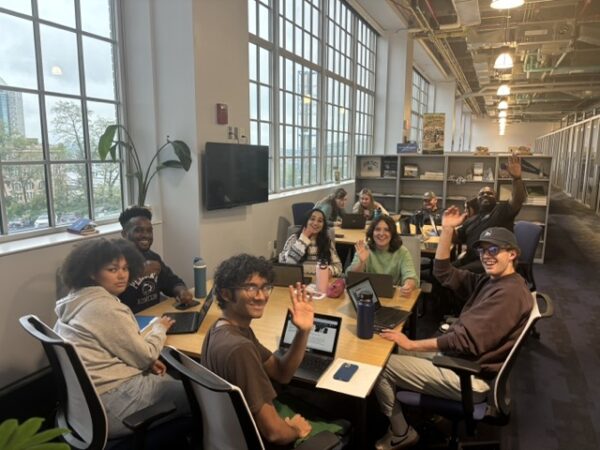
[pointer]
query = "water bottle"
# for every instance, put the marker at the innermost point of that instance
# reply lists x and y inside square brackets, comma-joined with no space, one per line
[365,316]
[199,277]
[322,276]
[377,214]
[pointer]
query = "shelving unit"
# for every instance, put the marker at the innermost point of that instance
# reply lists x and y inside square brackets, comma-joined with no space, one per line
[450,176]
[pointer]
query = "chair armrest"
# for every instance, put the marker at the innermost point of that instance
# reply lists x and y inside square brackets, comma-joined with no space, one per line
[325,440]
[426,287]
[145,417]
[456,364]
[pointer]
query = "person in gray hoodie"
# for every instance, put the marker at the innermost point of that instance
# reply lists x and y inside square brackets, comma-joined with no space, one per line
[122,363]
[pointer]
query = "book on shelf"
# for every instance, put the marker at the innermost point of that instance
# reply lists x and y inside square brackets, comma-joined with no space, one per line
[370,167]
[389,167]
[438,176]
[83,226]
[410,171]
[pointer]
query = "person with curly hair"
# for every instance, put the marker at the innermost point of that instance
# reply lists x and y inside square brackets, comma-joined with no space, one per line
[122,363]
[311,244]
[366,205]
[383,252]
[144,290]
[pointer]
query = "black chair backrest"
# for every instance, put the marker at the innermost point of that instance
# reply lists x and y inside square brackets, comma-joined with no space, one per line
[528,236]
[218,403]
[79,409]
[501,394]
[299,211]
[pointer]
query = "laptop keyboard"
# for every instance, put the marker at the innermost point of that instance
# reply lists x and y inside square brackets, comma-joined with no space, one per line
[389,317]
[314,363]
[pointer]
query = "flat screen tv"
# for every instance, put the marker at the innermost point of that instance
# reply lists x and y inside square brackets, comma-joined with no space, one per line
[235,175]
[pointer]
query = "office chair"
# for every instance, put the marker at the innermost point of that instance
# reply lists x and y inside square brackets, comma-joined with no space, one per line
[528,237]
[299,211]
[79,408]
[496,410]
[216,404]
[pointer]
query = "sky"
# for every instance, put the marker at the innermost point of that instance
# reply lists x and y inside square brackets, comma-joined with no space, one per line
[59,49]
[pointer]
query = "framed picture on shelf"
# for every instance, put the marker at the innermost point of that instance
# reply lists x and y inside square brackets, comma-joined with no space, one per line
[370,167]
[433,133]
[410,171]
[388,166]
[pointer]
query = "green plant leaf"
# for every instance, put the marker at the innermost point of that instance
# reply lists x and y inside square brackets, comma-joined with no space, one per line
[184,154]
[106,142]
[24,432]
[7,428]
[45,436]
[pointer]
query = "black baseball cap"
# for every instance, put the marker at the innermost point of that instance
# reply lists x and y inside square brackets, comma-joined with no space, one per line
[498,236]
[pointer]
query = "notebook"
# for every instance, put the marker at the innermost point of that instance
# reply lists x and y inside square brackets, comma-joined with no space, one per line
[320,348]
[385,317]
[189,322]
[286,274]
[353,221]
[383,283]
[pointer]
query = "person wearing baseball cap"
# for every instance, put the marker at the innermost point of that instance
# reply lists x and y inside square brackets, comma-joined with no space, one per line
[496,311]
[429,214]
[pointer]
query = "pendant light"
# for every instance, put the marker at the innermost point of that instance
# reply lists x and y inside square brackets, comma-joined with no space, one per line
[503,62]
[503,90]
[502,114]
[506,4]
[503,105]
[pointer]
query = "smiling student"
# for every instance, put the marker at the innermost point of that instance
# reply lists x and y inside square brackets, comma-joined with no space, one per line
[384,253]
[144,290]
[497,309]
[122,363]
[312,244]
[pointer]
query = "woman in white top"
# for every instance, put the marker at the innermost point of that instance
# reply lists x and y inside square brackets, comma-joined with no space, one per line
[366,205]
[312,244]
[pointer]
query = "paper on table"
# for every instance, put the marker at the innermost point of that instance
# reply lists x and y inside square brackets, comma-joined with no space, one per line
[359,385]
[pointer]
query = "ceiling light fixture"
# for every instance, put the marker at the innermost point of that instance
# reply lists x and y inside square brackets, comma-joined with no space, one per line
[506,4]
[503,62]
[503,90]
[502,114]
[503,105]
[501,131]
[502,122]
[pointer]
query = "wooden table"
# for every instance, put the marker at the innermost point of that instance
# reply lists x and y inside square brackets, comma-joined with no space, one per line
[268,329]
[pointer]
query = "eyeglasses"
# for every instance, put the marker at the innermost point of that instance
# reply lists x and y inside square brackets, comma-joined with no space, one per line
[492,250]
[252,289]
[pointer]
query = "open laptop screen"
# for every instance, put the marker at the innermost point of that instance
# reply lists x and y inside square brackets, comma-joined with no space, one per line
[323,337]
[354,291]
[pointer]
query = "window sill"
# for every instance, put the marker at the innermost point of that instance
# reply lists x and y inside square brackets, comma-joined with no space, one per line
[49,240]
[308,189]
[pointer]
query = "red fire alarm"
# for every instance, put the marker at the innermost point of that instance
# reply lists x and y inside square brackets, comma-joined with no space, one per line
[222,114]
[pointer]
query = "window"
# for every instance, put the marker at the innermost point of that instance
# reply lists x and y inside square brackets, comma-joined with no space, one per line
[312,89]
[58,92]
[420,98]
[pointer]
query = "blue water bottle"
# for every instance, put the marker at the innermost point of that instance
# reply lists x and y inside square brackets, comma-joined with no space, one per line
[199,277]
[365,316]
[377,214]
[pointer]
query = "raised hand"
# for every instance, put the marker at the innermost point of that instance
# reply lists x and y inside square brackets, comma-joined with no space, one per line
[453,217]
[302,307]
[514,166]
[362,250]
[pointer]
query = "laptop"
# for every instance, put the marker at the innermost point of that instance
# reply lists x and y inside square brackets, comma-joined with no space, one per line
[286,274]
[383,283]
[353,221]
[320,349]
[189,322]
[385,317]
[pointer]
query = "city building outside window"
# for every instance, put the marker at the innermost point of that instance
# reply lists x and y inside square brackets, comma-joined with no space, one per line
[312,89]
[58,91]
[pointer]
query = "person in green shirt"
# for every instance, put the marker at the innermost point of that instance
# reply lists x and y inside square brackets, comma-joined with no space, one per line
[383,253]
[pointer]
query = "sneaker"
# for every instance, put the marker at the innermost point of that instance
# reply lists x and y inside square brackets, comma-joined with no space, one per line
[391,441]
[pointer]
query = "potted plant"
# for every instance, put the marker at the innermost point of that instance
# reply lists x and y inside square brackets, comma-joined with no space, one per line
[27,435]
[110,141]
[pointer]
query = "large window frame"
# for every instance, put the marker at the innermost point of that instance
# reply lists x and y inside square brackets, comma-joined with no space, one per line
[99,185]
[315,107]
[419,105]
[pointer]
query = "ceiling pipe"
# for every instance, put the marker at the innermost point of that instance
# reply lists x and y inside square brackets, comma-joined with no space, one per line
[489,90]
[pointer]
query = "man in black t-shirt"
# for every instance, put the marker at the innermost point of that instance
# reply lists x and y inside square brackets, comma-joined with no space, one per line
[429,215]
[145,290]
[491,214]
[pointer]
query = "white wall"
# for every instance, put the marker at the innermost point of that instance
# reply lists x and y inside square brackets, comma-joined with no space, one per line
[444,103]
[485,133]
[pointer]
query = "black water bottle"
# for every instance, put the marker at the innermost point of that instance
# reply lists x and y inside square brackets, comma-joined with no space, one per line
[365,316]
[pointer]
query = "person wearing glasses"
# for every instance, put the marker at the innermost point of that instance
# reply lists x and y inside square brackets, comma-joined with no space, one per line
[429,215]
[491,214]
[231,350]
[497,310]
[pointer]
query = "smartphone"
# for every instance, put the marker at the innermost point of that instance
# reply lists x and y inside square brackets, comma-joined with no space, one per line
[186,306]
[345,372]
